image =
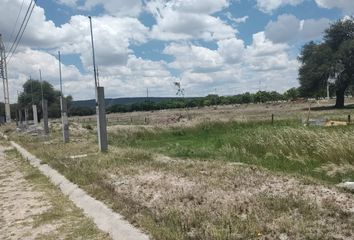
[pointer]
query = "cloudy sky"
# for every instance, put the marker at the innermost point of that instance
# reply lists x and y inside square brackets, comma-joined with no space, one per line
[222,46]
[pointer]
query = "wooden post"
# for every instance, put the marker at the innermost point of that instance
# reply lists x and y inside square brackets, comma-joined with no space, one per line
[272,118]
[349,118]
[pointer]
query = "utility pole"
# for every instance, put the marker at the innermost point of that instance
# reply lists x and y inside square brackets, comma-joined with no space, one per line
[98,77]
[100,103]
[3,75]
[63,108]
[93,56]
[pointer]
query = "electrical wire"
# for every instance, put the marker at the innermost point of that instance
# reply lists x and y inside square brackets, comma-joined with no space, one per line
[18,17]
[22,29]
[19,31]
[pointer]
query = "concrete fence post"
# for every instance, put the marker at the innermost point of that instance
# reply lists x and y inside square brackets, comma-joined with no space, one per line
[35,114]
[64,119]
[26,117]
[45,117]
[101,120]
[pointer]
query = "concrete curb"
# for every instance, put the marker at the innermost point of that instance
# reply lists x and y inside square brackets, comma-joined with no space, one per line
[105,219]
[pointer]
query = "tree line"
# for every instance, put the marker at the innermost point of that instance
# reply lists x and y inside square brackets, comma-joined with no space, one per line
[32,95]
[210,100]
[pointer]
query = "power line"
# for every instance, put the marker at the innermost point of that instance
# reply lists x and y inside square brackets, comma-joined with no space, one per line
[22,24]
[22,29]
[18,17]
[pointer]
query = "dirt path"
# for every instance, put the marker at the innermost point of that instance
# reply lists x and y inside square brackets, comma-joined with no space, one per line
[31,208]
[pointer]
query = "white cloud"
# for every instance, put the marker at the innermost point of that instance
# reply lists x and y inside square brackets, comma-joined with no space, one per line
[234,65]
[312,29]
[189,6]
[130,79]
[28,62]
[232,50]
[226,65]
[268,6]
[139,74]
[236,20]
[346,6]
[263,55]
[289,28]
[70,3]
[190,57]
[113,37]
[118,8]
[178,20]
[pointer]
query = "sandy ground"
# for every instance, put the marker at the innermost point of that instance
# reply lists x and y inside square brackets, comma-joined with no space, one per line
[20,203]
[31,208]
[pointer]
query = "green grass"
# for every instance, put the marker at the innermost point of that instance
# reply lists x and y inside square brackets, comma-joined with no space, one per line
[212,199]
[285,146]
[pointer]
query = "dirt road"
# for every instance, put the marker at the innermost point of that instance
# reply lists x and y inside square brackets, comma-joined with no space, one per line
[32,208]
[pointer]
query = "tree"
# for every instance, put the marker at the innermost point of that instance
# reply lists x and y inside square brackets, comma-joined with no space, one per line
[292,94]
[334,58]
[32,94]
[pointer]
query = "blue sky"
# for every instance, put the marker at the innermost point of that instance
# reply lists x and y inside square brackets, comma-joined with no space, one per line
[232,46]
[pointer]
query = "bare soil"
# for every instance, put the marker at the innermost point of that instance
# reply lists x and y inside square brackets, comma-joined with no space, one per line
[30,208]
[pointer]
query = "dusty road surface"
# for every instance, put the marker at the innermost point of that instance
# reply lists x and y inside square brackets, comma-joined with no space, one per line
[32,208]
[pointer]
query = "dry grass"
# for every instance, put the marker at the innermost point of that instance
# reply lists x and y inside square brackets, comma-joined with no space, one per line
[32,208]
[200,190]
[240,113]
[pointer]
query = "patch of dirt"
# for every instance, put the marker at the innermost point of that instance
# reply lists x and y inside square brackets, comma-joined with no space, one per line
[20,203]
[229,190]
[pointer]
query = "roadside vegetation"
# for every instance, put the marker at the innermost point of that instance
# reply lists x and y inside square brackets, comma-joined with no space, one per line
[283,146]
[238,177]
[43,212]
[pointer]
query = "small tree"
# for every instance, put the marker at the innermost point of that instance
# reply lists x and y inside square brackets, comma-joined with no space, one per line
[32,94]
[334,58]
[292,94]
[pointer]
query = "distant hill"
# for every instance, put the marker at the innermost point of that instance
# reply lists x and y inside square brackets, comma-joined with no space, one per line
[123,101]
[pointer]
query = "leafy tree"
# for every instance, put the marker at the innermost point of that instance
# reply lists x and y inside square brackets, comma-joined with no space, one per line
[334,57]
[32,94]
[292,94]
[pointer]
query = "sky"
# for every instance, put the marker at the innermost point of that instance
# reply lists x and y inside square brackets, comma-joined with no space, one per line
[225,47]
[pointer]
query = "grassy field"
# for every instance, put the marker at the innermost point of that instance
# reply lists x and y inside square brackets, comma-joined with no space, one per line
[323,153]
[222,175]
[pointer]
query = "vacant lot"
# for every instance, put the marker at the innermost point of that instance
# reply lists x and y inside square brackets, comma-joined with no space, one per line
[225,174]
